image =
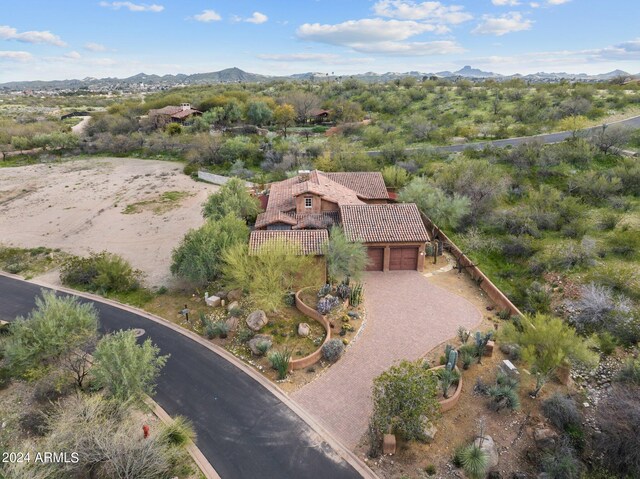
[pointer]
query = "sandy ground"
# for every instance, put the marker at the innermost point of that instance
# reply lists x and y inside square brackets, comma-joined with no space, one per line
[78,206]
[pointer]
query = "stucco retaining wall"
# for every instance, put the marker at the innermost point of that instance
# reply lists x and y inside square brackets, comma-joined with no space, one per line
[313,314]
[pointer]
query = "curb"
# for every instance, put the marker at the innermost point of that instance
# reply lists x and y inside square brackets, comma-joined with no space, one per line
[340,449]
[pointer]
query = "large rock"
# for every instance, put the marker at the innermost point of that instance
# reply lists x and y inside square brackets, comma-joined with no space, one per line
[429,430]
[233,305]
[257,320]
[257,339]
[234,295]
[490,449]
[545,438]
[304,330]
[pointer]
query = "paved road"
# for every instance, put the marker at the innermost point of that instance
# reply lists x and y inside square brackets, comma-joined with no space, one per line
[243,430]
[557,137]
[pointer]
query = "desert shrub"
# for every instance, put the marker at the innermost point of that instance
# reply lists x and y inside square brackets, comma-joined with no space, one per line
[404,398]
[607,343]
[562,412]
[103,272]
[280,362]
[474,461]
[326,304]
[198,258]
[517,247]
[447,378]
[232,199]
[596,308]
[618,417]
[178,433]
[562,462]
[332,350]
[630,372]
[244,335]
[263,347]
[216,329]
[345,258]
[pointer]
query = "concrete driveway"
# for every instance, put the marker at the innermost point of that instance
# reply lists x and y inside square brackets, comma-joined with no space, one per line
[407,316]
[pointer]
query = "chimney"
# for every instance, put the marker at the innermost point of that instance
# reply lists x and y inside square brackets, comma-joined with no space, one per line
[304,175]
[185,106]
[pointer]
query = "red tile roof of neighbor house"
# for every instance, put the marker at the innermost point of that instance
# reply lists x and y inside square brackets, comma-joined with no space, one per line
[399,222]
[174,111]
[311,241]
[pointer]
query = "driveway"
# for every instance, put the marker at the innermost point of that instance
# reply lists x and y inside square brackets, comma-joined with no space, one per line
[407,316]
[243,429]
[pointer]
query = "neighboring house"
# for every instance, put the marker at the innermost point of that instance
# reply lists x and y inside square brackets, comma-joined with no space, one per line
[304,207]
[318,115]
[173,114]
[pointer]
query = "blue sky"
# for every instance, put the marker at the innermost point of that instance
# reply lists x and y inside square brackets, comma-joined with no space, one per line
[55,39]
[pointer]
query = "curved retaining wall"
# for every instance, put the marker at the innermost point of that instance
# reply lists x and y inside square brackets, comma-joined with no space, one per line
[450,402]
[313,314]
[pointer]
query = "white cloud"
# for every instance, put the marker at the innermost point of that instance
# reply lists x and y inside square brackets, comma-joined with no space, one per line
[73,55]
[95,47]
[15,56]
[444,47]
[10,33]
[363,31]
[207,16]
[502,3]
[534,5]
[557,2]
[432,12]
[507,23]
[133,7]
[257,18]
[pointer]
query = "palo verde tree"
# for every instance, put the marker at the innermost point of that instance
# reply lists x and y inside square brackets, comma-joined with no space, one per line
[269,273]
[284,116]
[126,369]
[233,198]
[547,343]
[198,258]
[345,259]
[58,326]
[404,400]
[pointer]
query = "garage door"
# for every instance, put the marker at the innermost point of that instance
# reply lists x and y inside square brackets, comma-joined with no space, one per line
[376,259]
[403,258]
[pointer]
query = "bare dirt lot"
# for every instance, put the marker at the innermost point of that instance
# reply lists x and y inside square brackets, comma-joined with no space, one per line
[139,209]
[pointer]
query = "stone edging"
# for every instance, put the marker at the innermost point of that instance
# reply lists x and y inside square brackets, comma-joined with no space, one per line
[450,402]
[342,450]
[313,314]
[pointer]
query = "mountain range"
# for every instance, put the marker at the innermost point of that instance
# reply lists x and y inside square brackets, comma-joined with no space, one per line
[236,75]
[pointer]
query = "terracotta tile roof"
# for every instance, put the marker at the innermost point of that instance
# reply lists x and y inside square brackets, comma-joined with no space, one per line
[366,184]
[185,113]
[282,193]
[273,216]
[326,219]
[399,222]
[312,241]
[174,111]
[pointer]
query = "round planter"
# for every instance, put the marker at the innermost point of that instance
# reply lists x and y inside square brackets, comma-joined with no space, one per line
[450,402]
[313,314]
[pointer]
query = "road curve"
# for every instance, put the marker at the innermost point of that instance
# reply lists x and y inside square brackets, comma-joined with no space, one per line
[243,429]
[633,122]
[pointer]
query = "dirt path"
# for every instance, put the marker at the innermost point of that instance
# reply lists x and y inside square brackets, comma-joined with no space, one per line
[79,206]
[407,316]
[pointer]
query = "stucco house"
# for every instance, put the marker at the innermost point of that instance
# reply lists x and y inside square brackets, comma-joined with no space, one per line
[304,207]
[173,114]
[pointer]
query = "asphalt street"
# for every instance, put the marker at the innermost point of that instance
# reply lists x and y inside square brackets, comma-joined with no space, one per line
[242,428]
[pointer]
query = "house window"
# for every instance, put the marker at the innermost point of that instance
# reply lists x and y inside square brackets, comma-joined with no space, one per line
[308,202]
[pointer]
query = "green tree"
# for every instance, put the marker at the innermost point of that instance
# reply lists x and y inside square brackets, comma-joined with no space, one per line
[259,113]
[395,177]
[232,112]
[405,400]
[444,210]
[56,327]
[198,258]
[126,369]
[345,259]
[547,343]
[174,129]
[233,198]
[285,116]
[276,268]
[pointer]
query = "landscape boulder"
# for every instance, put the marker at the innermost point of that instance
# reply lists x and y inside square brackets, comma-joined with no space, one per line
[429,430]
[221,294]
[304,330]
[545,438]
[257,320]
[234,295]
[212,301]
[487,445]
[233,305]
[257,339]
